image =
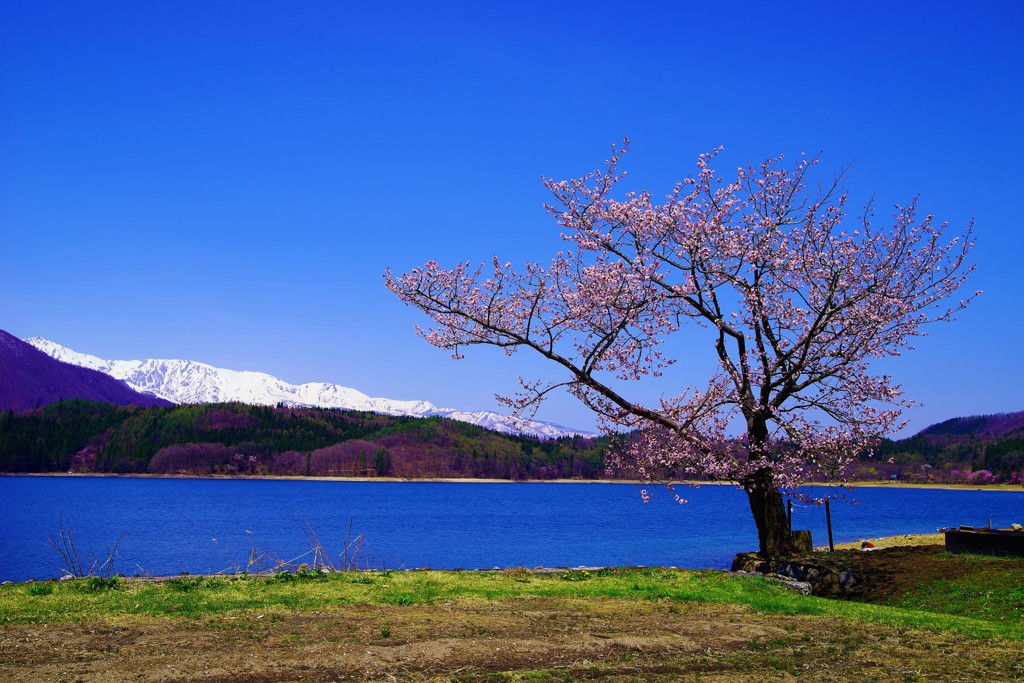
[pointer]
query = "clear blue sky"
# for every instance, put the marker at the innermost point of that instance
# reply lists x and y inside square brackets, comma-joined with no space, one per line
[226,182]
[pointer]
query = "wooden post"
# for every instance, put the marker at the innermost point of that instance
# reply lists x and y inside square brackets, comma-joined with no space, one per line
[828,522]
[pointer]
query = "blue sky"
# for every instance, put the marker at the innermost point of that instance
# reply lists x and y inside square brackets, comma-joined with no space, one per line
[226,182]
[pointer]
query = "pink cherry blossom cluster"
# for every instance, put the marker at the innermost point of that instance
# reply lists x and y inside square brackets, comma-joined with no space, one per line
[793,305]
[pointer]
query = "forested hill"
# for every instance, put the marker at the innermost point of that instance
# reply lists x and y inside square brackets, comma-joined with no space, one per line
[976,449]
[235,438]
[988,427]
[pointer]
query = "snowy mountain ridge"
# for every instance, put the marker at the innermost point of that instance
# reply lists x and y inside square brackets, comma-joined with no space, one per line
[185,381]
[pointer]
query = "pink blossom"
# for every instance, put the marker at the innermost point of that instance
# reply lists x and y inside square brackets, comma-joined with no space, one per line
[792,305]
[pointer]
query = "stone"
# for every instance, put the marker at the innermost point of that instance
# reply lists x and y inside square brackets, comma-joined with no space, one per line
[828,584]
[798,587]
[745,562]
[802,540]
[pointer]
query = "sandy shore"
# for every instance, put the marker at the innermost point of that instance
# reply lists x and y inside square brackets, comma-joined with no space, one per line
[462,480]
[891,541]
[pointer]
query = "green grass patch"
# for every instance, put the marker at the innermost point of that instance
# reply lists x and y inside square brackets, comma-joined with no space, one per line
[90,599]
[992,589]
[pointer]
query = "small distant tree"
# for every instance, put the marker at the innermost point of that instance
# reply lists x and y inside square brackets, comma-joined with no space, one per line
[291,463]
[982,477]
[382,462]
[792,305]
[347,458]
[192,458]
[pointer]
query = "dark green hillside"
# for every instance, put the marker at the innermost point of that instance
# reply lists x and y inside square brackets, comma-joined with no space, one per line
[234,438]
[974,450]
[46,440]
[242,439]
[955,460]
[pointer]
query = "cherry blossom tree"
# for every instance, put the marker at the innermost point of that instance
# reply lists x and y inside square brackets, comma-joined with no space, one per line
[792,305]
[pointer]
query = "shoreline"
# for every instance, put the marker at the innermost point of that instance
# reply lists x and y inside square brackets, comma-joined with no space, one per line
[469,480]
[880,543]
[884,542]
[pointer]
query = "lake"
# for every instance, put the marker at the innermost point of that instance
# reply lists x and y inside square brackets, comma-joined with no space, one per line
[213,525]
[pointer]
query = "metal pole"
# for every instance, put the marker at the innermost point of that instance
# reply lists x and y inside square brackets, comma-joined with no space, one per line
[828,522]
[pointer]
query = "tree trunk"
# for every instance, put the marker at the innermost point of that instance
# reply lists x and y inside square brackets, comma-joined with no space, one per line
[774,535]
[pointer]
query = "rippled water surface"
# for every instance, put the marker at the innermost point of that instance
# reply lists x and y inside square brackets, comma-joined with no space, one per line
[211,525]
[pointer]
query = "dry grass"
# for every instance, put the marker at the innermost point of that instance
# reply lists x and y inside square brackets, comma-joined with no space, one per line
[892,541]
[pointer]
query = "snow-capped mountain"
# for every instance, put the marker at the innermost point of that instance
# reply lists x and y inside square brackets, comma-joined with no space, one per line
[185,381]
[31,379]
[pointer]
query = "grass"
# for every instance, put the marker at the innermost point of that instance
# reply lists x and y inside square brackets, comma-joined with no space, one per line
[991,589]
[980,606]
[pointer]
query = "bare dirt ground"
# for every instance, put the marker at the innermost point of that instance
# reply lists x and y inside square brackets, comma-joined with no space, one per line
[524,639]
[541,639]
[896,571]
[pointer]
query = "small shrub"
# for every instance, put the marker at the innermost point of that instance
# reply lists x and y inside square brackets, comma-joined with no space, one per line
[359,577]
[72,563]
[97,584]
[610,571]
[40,589]
[185,584]
[299,575]
[519,574]
[400,599]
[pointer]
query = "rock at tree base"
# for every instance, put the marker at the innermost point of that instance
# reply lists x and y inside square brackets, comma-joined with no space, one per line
[802,540]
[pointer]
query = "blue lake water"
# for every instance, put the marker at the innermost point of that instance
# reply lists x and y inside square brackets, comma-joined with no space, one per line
[212,525]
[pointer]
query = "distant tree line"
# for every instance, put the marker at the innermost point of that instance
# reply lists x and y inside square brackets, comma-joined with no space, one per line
[952,458]
[239,439]
[235,438]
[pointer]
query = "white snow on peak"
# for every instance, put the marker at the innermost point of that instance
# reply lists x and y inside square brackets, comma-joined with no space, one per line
[185,381]
[66,355]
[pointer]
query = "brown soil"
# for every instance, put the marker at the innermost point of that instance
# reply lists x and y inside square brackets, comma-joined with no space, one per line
[528,639]
[897,570]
